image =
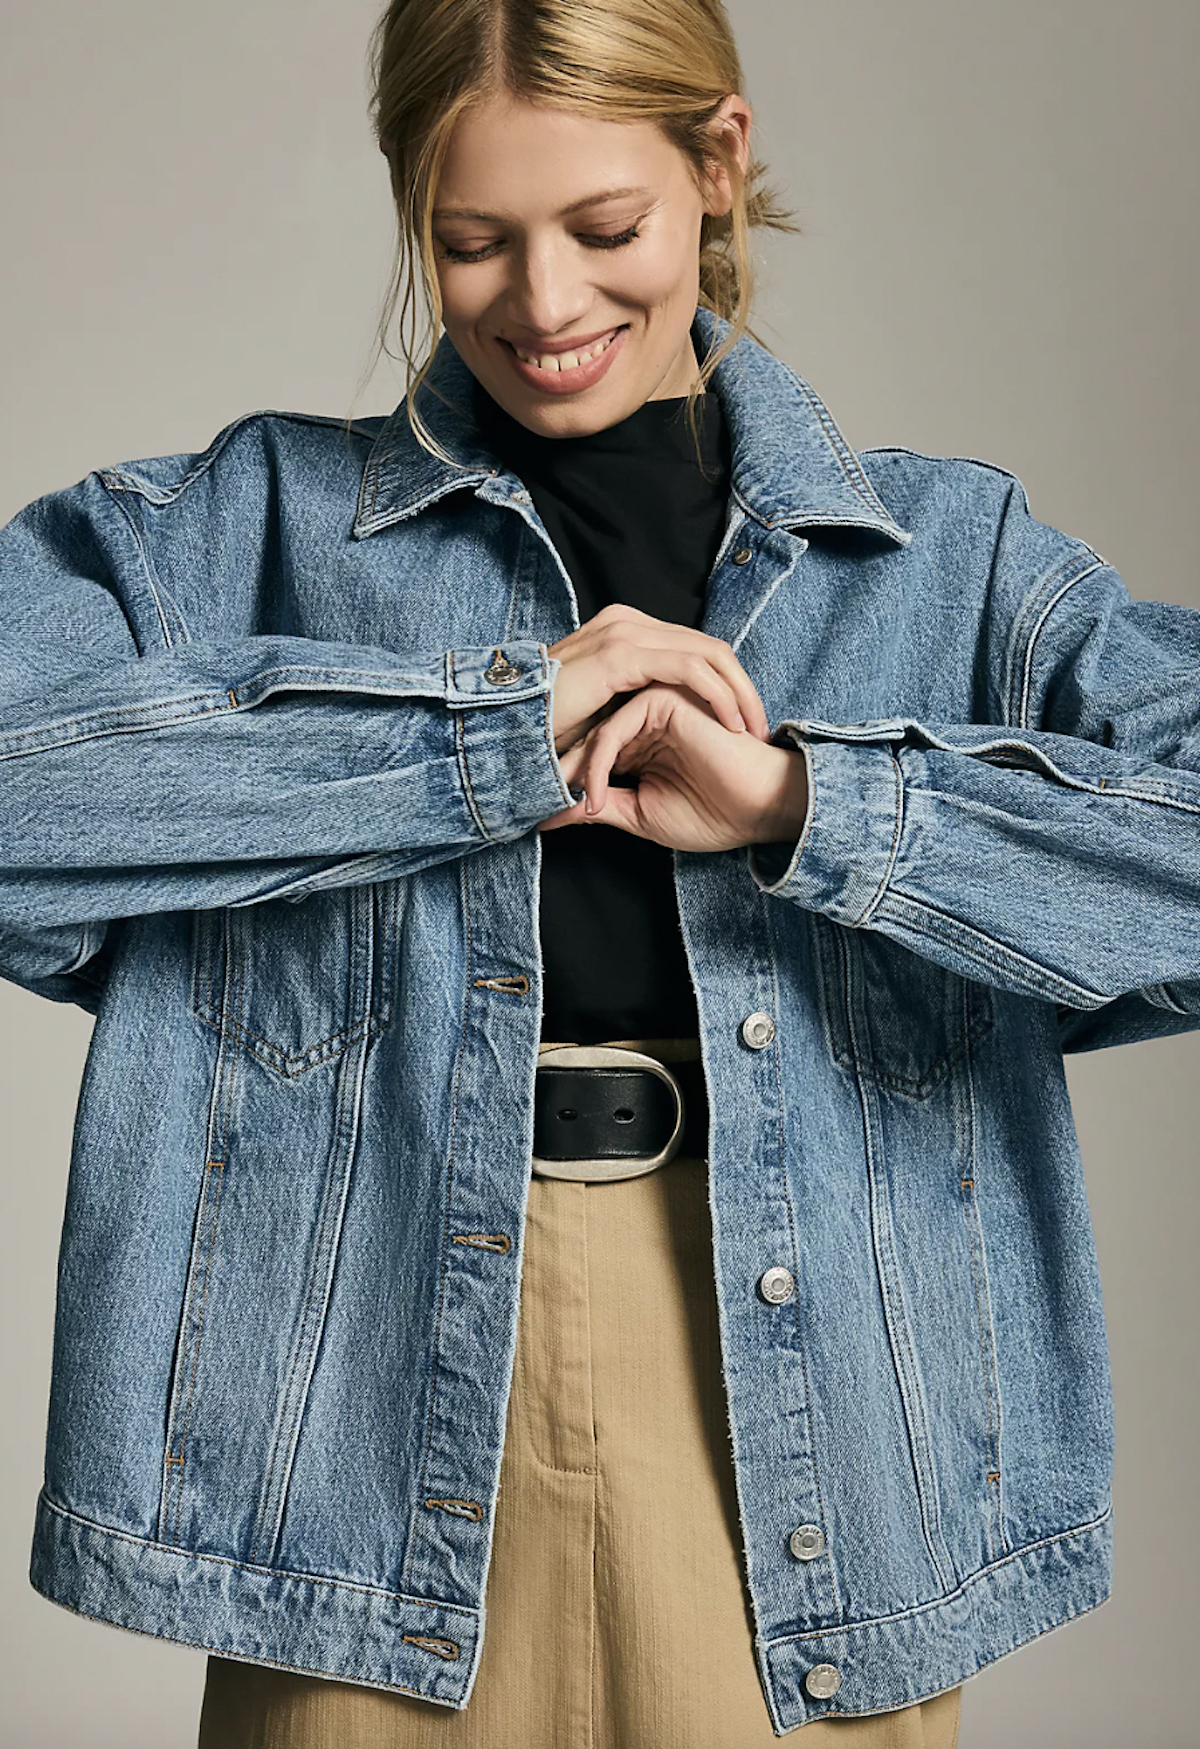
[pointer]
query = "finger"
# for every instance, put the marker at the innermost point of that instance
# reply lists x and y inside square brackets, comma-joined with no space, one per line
[744,689]
[735,702]
[620,809]
[720,657]
[686,667]
[568,816]
[570,760]
[604,744]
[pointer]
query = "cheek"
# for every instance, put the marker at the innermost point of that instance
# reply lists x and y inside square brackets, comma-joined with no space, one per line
[466,294]
[664,268]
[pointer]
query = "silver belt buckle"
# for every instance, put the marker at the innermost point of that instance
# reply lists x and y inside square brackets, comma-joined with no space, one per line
[631,1165]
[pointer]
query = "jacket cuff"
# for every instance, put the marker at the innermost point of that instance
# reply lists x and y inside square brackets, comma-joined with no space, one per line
[843,858]
[511,774]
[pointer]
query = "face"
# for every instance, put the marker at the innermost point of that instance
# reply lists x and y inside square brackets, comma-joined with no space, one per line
[560,235]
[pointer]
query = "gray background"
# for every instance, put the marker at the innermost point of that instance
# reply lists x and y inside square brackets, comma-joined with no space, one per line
[1000,260]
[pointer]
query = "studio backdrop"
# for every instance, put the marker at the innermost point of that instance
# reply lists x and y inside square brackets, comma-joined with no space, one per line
[999,259]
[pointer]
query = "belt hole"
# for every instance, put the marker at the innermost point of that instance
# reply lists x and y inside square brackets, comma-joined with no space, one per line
[623,1114]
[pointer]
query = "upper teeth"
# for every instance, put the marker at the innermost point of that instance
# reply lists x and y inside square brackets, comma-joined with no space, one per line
[564,360]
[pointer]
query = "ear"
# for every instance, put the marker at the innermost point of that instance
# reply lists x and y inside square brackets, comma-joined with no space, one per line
[733,121]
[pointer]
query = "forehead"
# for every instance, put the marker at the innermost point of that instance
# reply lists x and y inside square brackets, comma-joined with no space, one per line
[510,159]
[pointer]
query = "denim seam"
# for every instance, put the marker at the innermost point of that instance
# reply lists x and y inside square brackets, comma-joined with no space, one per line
[925,1608]
[800,1348]
[125,724]
[288,1063]
[894,848]
[1049,594]
[292,1064]
[315,1306]
[459,731]
[548,736]
[422,1483]
[951,931]
[897,1320]
[143,1542]
[983,1297]
[934,1603]
[118,479]
[92,725]
[143,552]
[216,1155]
[242,1657]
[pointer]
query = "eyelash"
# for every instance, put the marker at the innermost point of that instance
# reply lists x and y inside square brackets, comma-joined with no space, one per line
[616,242]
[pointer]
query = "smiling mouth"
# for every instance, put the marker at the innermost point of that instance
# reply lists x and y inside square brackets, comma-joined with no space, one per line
[554,362]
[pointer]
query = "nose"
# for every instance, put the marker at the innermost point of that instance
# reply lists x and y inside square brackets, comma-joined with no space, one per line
[550,293]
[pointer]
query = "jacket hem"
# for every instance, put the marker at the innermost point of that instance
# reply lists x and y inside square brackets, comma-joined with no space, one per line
[896,1660]
[333,1628]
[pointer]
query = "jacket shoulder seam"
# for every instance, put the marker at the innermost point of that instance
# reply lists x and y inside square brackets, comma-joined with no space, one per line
[124,478]
[972,461]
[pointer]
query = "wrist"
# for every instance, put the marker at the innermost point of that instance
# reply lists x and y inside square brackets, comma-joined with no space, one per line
[784,818]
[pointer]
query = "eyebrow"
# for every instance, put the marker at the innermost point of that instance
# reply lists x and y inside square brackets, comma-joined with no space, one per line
[462,212]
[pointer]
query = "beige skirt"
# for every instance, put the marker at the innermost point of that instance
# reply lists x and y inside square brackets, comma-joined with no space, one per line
[617,1611]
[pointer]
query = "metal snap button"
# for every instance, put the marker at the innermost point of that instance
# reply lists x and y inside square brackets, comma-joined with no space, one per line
[823,1680]
[777,1285]
[743,556]
[758,1029]
[502,672]
[807,1543]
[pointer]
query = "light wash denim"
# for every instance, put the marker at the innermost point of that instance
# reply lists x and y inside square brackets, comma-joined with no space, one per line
[275,735]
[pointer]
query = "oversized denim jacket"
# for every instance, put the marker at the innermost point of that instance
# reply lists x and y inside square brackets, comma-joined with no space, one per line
[275,738]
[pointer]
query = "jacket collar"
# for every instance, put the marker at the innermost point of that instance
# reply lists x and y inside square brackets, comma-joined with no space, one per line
[792,467]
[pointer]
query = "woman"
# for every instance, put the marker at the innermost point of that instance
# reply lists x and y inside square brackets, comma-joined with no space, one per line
[408,1011]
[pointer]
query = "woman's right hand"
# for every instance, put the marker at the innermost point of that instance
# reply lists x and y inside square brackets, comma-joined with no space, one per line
[621,649]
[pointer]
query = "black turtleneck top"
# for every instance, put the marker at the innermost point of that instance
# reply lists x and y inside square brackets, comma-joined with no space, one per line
[634,519]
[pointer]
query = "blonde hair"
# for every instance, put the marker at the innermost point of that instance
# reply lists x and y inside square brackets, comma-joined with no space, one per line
[672,62]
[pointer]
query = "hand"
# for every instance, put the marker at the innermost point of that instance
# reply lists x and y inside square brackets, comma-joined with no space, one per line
[621,649]
[700,786]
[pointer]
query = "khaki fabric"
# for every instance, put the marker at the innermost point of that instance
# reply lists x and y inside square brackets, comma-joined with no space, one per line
[617,1612]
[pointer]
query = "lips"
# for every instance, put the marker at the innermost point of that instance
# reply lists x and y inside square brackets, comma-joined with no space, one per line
[551,348]
[580,352]
[553,378]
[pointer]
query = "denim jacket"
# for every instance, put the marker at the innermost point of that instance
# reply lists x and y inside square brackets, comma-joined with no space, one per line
[275,738]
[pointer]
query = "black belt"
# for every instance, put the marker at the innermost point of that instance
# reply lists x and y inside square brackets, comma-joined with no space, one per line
[612,1110]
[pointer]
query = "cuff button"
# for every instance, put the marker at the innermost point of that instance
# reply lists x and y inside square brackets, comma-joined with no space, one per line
[502,672]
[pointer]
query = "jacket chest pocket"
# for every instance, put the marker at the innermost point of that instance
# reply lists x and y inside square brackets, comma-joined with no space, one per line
[891,1014]
[295,985]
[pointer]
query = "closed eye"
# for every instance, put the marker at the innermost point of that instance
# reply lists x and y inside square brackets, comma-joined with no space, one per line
[591,242]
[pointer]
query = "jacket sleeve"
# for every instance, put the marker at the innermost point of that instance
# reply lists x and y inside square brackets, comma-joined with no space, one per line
[1054,852]
[143,773]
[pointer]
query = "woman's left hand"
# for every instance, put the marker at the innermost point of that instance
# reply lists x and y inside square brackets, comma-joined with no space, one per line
[698,785]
